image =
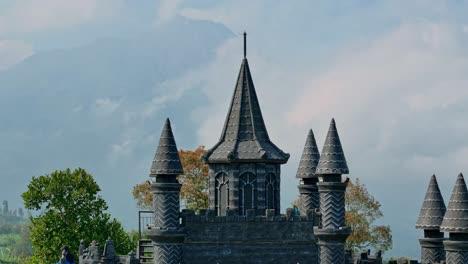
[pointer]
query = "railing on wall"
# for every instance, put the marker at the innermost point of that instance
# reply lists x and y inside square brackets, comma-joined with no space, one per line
[144,218]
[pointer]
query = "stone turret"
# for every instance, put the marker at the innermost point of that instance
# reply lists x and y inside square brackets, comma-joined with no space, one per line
[430,218]
[165,232]
[332,233]
[308,189]
[244,166]
[456,223]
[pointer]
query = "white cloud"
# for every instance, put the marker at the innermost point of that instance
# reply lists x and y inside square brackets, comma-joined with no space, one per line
[12,52]
[106,106]
[167,9]
[31,16]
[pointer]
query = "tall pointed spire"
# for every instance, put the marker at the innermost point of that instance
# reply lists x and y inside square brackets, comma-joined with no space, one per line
[309,159]
[456,216]
[433,208]
[332,159]
[244,136]
[245,44]
[166,160]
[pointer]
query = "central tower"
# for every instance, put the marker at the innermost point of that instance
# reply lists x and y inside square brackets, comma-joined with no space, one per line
[244,166]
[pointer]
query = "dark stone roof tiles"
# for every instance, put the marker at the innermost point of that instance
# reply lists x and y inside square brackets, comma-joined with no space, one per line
[456,216]
[309,159]
[433,208]
[166,160]
[244,136]
[332,159]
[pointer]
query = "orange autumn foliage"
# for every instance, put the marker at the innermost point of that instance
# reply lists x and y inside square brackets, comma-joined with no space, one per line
[362,210]
[194,191]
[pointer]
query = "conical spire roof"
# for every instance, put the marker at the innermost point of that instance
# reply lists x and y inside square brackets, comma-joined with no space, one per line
[332,159]
[245,137]
[309,159]
[456,216]
[433,208]
[166,160]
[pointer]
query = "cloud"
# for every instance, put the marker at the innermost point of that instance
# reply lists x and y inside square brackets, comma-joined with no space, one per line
[167,9]
[37,16]
[417,65]
[106,106]
[12,52]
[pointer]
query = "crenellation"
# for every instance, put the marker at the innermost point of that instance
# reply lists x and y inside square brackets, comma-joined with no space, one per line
[188,216]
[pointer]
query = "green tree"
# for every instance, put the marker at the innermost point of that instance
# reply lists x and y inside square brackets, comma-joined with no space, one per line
[194,182]
[362,211]
[23,246]
[69,208]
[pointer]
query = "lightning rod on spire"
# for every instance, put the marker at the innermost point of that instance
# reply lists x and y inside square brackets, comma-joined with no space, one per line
[245,44]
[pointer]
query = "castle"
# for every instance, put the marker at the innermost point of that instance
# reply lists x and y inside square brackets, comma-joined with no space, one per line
[243,223]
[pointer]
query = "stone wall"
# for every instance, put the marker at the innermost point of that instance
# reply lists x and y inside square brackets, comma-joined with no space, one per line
[248,239]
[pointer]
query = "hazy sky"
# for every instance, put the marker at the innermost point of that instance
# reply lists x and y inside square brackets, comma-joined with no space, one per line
[393,74]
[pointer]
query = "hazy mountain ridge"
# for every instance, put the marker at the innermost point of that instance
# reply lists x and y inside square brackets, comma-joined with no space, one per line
[76,107]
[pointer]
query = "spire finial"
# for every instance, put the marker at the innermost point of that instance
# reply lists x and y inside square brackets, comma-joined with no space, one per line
[245,44]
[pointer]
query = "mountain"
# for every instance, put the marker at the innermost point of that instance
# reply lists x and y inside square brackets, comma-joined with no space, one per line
[101,106]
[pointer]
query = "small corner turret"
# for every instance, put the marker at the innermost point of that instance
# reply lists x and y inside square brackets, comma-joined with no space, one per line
[165,232]
[430,218]
[455,222]
[332,233]
[308,190]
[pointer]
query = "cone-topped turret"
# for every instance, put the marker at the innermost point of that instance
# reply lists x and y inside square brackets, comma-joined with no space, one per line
[456,216]
[332,233]
[430,218]
[309,159]
[166,160]
[332,159]
[245,137]
[165,232]
[433,208]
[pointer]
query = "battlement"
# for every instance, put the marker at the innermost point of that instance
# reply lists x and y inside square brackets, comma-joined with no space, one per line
[366,258]
[207,216]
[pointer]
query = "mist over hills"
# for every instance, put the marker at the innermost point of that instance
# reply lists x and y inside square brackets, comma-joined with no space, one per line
[101,106]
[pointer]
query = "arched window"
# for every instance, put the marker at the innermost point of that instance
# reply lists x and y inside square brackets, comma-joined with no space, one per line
[247,192]
[270,191]
[222,193]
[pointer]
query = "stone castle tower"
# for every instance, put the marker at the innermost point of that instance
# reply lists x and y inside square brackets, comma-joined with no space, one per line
[244,166]
[308,190]
[430,218]
[332,232]
[166,233]
[455,222]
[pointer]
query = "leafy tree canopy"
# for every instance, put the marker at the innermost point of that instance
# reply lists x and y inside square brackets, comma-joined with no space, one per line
[362,211]
[194,182]
[69,208]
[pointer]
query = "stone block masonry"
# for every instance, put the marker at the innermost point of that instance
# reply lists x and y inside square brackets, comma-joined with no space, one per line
[248,239]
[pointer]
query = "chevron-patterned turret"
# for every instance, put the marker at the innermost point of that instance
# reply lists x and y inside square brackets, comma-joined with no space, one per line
[332,233]
[308,190]
[166,233]
[430,218]
[456,223]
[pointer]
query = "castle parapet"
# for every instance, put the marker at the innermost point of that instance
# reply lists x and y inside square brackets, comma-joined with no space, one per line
[207,216]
